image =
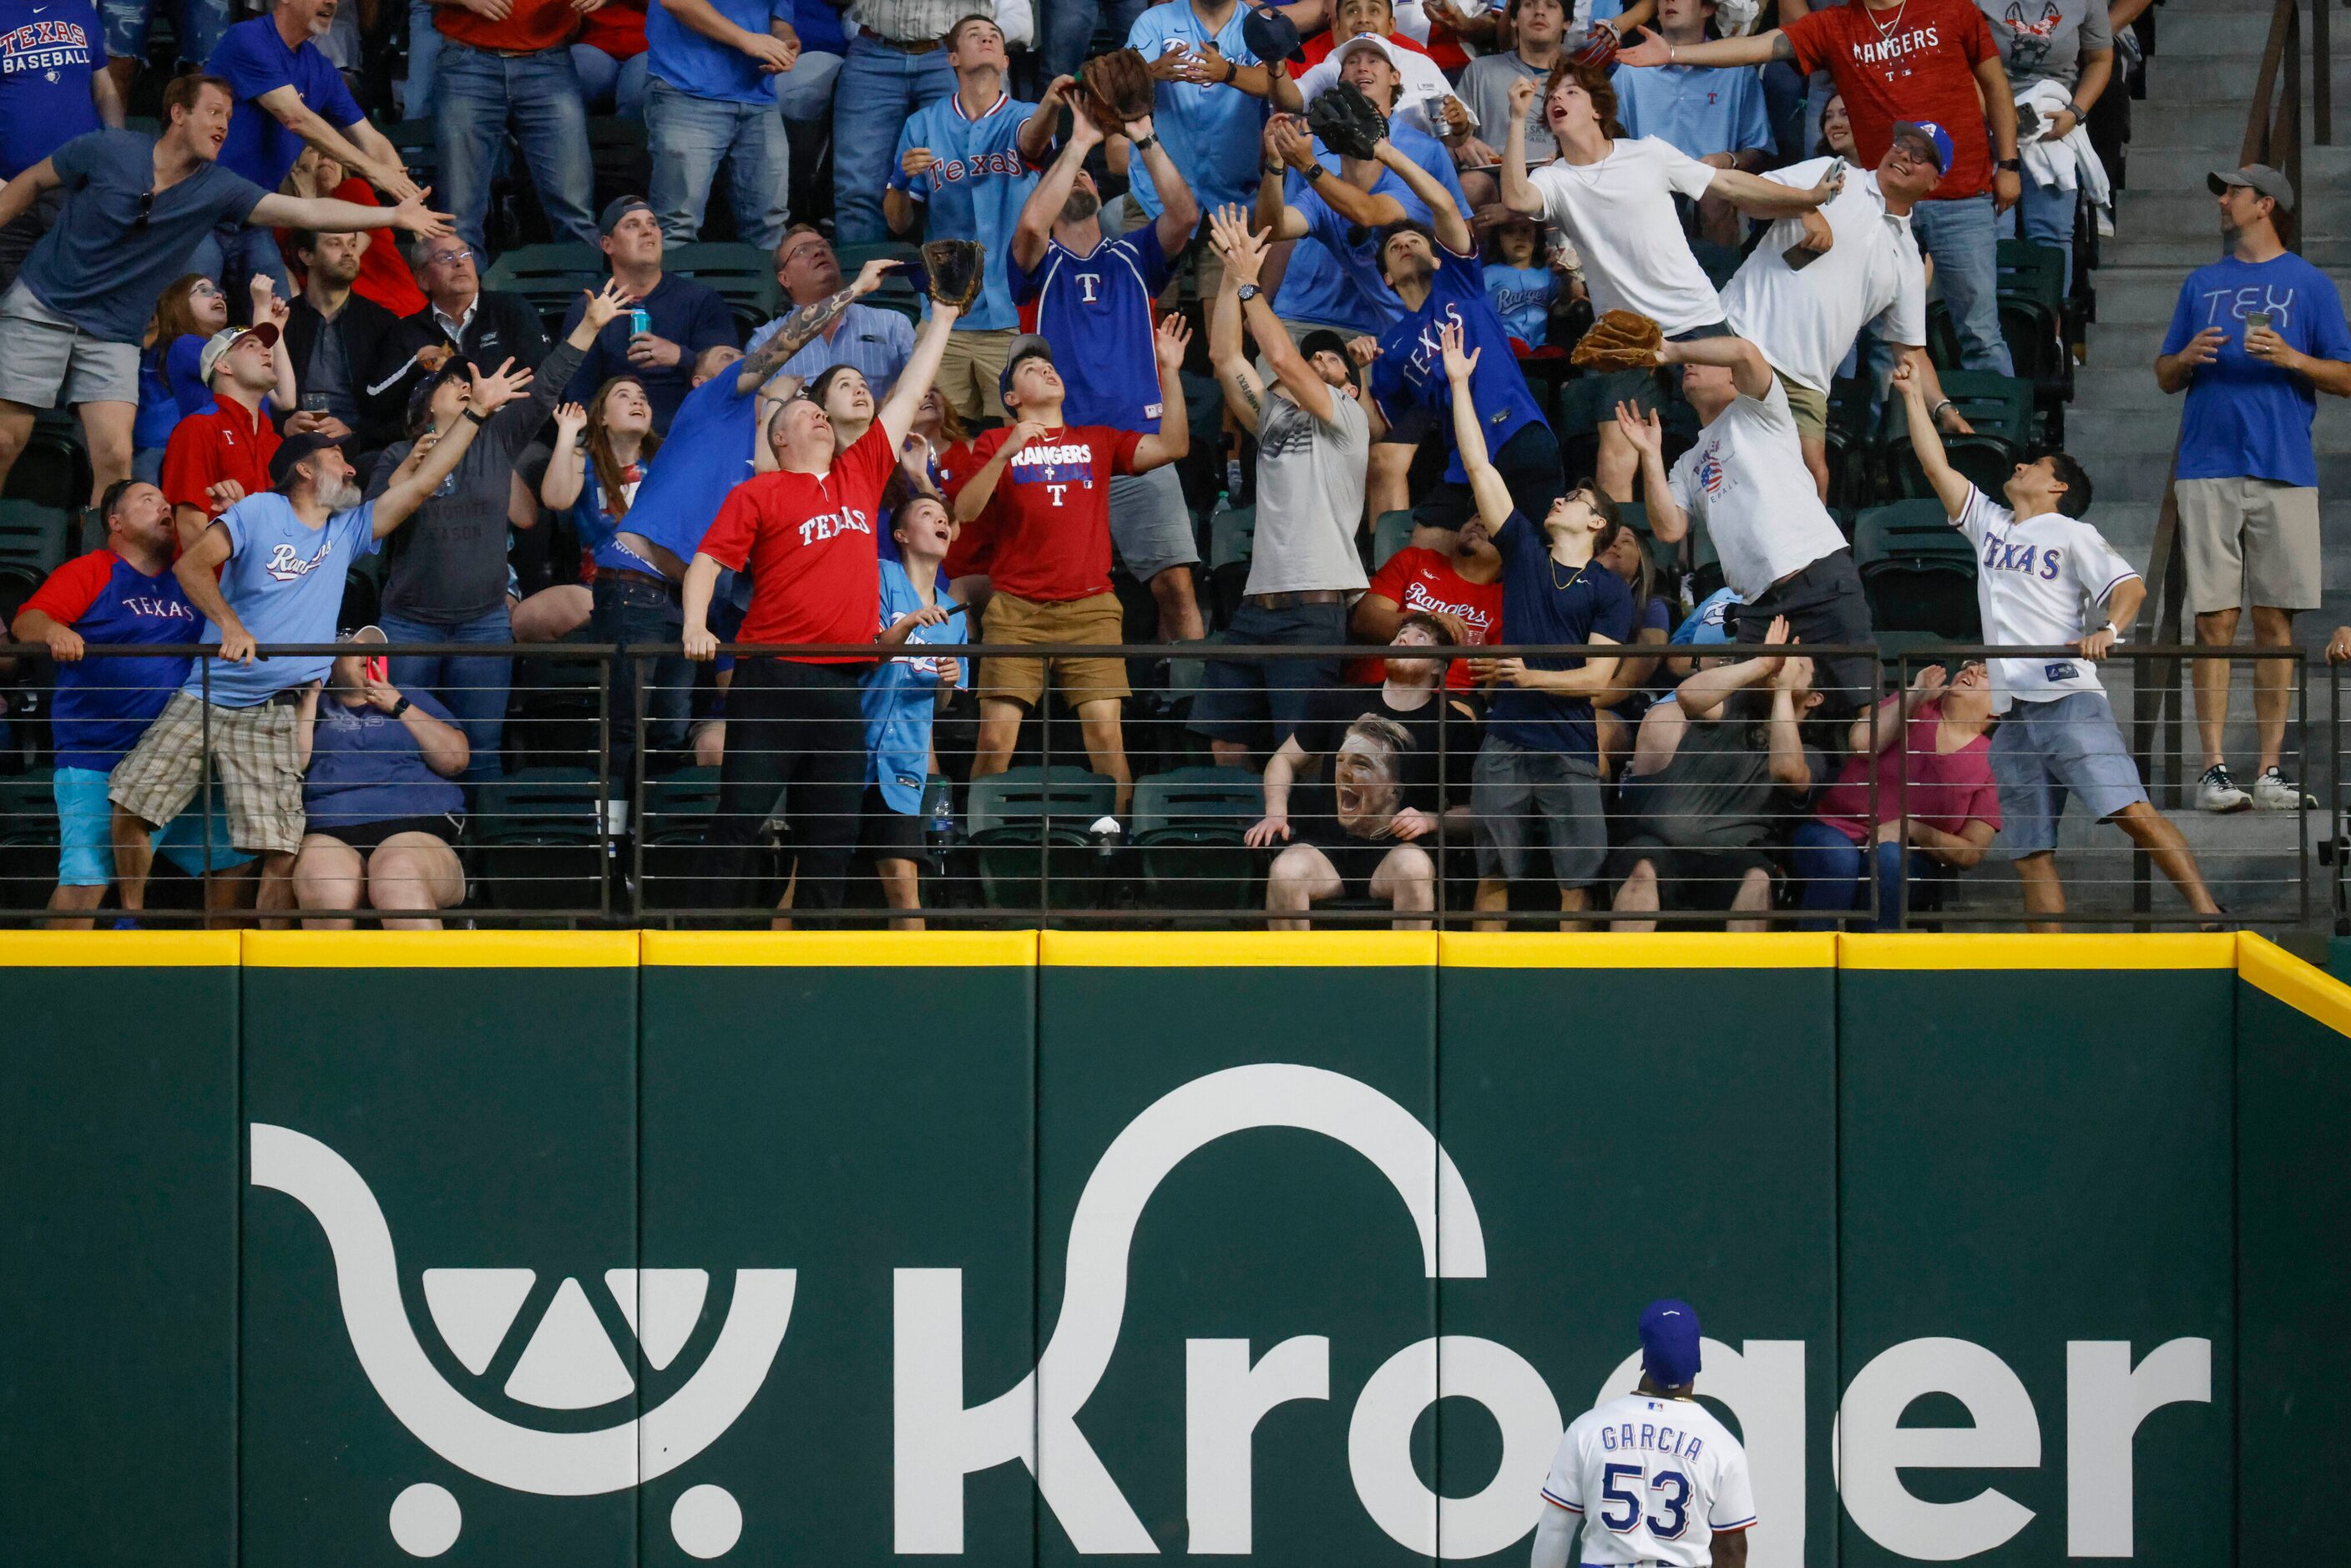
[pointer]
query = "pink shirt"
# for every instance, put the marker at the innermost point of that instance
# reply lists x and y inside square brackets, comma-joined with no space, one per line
[1949,791]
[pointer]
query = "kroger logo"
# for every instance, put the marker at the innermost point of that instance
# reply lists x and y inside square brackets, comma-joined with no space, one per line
[569,1364]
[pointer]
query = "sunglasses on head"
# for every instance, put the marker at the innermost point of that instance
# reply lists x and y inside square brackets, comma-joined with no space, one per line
[146,210]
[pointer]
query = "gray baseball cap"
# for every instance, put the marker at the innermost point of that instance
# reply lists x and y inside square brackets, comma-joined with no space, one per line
[2258,177]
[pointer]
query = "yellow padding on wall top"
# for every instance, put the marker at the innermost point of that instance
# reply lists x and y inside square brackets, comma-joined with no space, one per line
[2272,971]
[2000,951]
[440,949]
[1241,949]
[1645,950]
[116,949]
[842,950]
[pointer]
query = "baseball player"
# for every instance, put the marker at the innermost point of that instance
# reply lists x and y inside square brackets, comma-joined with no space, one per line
[1651,1475]
[2038,563]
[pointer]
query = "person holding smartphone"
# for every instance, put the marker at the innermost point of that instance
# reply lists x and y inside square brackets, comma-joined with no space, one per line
[2255,337]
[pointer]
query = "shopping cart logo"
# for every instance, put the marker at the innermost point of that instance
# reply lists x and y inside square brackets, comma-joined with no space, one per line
[568,1363]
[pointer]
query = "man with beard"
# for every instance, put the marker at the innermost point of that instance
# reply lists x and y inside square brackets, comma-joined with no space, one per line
[1089,298]
[281,557]
[1394,753]
[341,345]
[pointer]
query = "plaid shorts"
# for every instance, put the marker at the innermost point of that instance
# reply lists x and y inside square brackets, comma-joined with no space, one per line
[252,748]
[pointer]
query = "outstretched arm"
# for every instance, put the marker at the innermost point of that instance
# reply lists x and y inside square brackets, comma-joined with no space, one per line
[1244,256]
[1952,487]
[805,325]
[1494,506]
[1761,198]
[1273,211]
[1227,351]
[914,382]
[1444,212]
[1034,230]
[1357,206]
[330,216]
[486,395]
[1666,518]
[1762,49]
[1751,373]
[1174,441]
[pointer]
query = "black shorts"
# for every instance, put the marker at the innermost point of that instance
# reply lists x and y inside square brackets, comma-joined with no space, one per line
[1357,861]
[1825,606]
[885,832]
[1690,879]
[367,837]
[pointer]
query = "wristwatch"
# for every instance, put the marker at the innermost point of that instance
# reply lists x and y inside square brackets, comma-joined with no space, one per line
[1313,172]
[1146,143]
[1246,292]
[402,706]
[2014,165]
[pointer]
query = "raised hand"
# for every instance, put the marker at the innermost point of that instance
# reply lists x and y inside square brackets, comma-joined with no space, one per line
[1242,249]
[1643,430]
[382,695]
[876,272]
[570,419]
[1289,141]
[1928,682]
[489,393]
[1648,50]
[1169,342]
[1522,96]
[415,216]
[1363,348]
[604,305]
[1457,365]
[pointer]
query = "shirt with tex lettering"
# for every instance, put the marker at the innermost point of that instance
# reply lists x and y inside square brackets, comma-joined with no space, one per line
[1408,380]
[807,541]
[2245,418]
[1415,578]
[975,190]
[284,579]
[1095,311]
[47,55]
[2034,576]
[104,703]
[1918,67]
[225,440]
[1050,515]
[1317,286]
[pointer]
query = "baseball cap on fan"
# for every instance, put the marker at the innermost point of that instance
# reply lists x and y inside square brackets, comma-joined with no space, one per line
[1029,346]
[222,341]
[1669,1337]
[1935,136]
[2259,178]
[1388,51]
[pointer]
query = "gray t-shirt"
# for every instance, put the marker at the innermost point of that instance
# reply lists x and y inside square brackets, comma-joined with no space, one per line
[1486,89]
[100,267]
[2043,40]
[1309,495]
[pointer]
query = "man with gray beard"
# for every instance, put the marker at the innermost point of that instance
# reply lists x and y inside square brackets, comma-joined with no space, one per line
[281,557]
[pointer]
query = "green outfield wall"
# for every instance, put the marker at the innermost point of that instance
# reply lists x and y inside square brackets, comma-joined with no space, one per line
[610,1249]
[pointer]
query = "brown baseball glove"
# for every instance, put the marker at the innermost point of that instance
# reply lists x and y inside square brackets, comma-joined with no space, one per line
[1119,89]
[955,268]
[1619,340]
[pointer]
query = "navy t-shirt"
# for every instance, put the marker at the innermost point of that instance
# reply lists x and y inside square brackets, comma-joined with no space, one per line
[1543,601]
[46,53]
[1408,379]
[254,59]
[2245,418]
[366,767]
[101,268]
[687,313]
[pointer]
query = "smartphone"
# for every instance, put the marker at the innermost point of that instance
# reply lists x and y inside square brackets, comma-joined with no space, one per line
[2028,123]
[378,668]
[1796,256]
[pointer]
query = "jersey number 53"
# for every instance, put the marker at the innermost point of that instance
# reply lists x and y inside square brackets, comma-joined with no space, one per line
[1620,1508]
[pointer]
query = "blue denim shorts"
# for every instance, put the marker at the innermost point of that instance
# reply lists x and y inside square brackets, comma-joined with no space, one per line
[86,840]
[2044,752]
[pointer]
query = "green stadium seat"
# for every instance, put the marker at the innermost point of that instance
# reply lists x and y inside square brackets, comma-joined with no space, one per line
[1390,534]
[678,810]
[1232,544]
[1187,824]
[2034,272]
[537,839]
[1919,571]
[28,839]
[33,536]
[742,275]
[1012,818]
[1998,407]
[418,147]
[550,275]
[53,469]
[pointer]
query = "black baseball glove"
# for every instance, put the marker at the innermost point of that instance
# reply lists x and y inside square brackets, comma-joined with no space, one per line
[956,267]
[1346,122]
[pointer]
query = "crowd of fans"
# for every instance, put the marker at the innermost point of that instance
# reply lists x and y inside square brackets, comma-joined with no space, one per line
[278,346]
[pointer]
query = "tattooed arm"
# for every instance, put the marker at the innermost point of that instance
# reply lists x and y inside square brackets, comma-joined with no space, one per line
[1228,351]
[805,325]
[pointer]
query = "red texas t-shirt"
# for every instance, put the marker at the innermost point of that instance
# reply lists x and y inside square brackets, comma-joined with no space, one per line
[1049,517]
[808,540]
[1912,61]
[1424,580]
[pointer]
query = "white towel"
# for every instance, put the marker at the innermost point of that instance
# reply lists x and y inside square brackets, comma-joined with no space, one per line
[2069,163]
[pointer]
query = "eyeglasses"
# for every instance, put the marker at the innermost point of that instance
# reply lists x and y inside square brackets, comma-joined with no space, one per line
[146,211]
[206,287]
[446,258]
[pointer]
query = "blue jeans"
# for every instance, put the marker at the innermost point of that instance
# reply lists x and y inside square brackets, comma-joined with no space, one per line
[1065,31]
[476,97]
[805,92]
[632,613]
[1964,237]
[608,86]
[474,687]
[231,254]
[2045,216]
[1831,867]
[690,136]
[196,24]
[423,51]
[879,87]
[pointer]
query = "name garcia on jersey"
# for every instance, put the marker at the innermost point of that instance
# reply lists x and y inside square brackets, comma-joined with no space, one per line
[1658,1439]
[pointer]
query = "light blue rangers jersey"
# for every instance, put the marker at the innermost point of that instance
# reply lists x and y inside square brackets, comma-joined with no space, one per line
[975,190]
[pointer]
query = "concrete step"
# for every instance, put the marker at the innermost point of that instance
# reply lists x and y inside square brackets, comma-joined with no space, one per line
[2134,248]
[2132,297]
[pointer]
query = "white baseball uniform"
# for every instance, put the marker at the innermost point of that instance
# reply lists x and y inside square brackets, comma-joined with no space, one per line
[2034,576]
[1653,1479]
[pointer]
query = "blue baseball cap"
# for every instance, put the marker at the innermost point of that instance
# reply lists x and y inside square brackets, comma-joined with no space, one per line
[1935,137]
[1669,1336]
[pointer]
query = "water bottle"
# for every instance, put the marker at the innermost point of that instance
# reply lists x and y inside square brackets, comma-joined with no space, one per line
[939,809]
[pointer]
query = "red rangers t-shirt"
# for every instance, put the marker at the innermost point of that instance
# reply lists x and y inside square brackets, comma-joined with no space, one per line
[1049,517]
[227,441]
[808,540]
[1424,580]
[1912,61]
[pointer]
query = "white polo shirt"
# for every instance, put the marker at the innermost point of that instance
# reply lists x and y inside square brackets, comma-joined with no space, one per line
[1745,481]
[1619,213]
[1805,322]
[2037,580]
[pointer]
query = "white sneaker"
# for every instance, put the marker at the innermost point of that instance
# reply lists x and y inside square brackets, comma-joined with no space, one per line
[2274,792]
[1106,830]
[2216,791]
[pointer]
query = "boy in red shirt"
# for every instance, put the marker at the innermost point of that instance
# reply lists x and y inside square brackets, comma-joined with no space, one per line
[806,534]
[1931,63]
[1041,489]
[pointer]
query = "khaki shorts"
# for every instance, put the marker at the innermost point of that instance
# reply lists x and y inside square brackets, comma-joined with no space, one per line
[2250,538]
[969,369]
[253,748]
[1810,409]
[1079,621]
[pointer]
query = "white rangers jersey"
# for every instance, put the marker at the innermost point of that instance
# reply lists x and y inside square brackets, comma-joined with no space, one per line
[1653,1479]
